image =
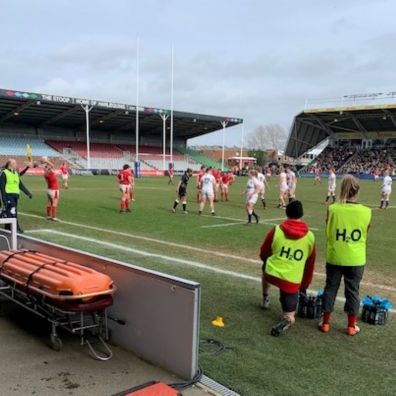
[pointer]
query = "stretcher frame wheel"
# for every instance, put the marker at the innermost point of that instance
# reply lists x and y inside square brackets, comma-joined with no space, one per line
[56,342]
[105,354]
[85,324]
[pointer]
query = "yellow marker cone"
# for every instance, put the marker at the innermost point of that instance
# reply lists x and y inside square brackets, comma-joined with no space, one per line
[218,322]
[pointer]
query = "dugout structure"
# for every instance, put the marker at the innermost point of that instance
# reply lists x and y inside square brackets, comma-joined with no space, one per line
[364,120]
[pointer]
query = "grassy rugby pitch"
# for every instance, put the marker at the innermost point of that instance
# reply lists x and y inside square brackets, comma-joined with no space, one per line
[222,254]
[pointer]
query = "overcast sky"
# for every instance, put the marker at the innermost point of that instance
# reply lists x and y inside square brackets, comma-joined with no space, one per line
[256,59]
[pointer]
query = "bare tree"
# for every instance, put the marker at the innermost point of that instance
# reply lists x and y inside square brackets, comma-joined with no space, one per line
[264,137]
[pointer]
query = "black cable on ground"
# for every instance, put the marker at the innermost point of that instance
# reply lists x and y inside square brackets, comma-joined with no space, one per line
[187,384]
[211,341]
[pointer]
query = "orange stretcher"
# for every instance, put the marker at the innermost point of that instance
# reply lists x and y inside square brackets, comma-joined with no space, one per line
[68,295]
[52,277]
[150,389]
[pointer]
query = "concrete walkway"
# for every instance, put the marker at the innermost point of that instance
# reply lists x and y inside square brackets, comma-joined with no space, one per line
[29,367]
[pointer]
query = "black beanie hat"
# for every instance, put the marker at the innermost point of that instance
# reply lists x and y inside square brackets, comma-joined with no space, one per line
[294,210]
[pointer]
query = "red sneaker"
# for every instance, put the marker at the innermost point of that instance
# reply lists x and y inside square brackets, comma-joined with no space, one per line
[324,327]
[352,331]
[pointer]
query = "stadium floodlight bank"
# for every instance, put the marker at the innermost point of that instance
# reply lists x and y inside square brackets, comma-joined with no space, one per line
[67,118]
[365,120]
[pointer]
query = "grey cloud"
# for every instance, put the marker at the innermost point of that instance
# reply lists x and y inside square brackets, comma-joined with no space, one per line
[254,59]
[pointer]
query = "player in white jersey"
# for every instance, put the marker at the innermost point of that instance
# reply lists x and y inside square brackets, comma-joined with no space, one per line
[386,190]
[253,188]
[262,179]
[331,185]
[291,184]
[283,188]
[207,187]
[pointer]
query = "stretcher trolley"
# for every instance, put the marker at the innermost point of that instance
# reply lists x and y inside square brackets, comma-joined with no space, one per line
[68,295]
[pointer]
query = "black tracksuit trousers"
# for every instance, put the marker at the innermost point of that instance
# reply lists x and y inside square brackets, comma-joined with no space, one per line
[352,277]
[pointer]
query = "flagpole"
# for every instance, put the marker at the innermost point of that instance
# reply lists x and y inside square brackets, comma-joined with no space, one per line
[242,137]
[171,108]
[137,98]
[223,124]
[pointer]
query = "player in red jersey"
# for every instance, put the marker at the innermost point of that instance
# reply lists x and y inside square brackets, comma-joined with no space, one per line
[318,172]
[217,175]
[200,173]
[125,181]
[52,189]
[227,178]
[171,173]
[376,175]
[64,169]
[268,173]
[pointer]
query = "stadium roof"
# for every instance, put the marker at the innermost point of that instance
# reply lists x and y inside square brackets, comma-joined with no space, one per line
[312,126]
[42,110]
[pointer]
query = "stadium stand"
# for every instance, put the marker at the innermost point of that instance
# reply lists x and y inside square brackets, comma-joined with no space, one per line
[153,157]
[331,157]
[100,150]
[114,156]
[149,152]
[103,155]
[361,128]
[199,158]
[61,121]
[354,160]
[180,165]
[21,160]
[369,160]
[16,146]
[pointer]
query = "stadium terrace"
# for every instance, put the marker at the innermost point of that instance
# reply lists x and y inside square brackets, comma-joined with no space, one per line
[57,125]
[360,120]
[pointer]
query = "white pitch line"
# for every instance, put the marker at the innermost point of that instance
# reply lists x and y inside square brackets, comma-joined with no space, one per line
[223,225]
[148,239]
[262,221]
[186,247]
[148,254]
[376,207]
[163,257]
[235,219]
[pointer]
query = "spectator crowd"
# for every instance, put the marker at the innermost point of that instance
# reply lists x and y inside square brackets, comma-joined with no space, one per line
[354,160]
[331,157]
[369,161]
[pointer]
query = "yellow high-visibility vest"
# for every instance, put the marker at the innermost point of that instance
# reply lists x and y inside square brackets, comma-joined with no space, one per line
[346,231]
[289,256]
[12,183]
